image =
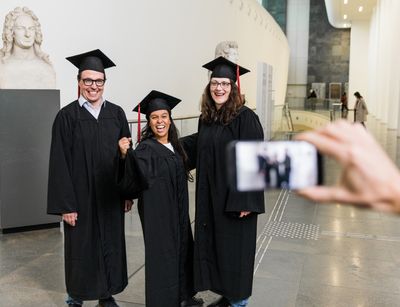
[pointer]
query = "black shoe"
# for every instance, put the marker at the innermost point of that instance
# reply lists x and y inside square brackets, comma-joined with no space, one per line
[74,305]
[108,302]
[193,301]
[221,302]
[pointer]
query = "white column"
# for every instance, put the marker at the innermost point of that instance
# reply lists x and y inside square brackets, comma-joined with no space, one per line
[297,30]
[358,67]
[384,63]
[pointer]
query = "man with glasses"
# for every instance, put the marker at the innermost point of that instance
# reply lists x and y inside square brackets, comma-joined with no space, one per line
[82,189]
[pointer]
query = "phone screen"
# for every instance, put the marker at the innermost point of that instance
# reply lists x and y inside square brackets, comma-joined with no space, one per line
[261,165]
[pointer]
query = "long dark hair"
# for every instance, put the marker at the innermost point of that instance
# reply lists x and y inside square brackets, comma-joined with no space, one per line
[228,110]
[173,138]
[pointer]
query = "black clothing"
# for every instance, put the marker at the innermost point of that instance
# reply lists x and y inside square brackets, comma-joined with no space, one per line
[264,166]
[313,94]
[192,302]
[108,302]
[224,244]
[220,302]
[81,179]
[159,176]
[287,168]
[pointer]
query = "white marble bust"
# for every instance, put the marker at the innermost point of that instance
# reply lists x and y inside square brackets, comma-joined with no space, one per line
[23,65]
[229,50]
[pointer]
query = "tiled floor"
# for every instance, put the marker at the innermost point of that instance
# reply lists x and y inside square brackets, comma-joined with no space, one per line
[307,255]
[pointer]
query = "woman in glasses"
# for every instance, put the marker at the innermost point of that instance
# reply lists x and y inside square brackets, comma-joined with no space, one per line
[226,221]
[156,172]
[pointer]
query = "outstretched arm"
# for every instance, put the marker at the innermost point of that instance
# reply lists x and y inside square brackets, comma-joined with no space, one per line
[368,175]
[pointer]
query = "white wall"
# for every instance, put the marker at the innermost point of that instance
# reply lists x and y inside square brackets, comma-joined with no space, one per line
[384,62]
[159,44]
[375,62]
[297,28]
[358,68]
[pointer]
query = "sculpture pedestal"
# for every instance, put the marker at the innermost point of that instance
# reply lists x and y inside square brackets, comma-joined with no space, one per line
[26,119]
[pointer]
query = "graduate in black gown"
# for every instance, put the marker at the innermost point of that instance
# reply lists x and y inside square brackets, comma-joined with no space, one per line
[226,221]
[82,187]
[156,172]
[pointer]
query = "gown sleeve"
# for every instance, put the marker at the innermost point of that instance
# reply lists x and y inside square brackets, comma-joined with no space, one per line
[189,144]
[248,128]
[136,172]
[125,132]
[61,195]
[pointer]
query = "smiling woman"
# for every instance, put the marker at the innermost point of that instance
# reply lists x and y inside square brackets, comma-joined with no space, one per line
[226,221]
[23,65]
[159,123]
[156,172]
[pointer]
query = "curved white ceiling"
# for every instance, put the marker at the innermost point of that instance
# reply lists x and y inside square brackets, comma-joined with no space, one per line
[337,9]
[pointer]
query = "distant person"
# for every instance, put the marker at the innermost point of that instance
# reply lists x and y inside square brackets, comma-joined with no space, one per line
[360,109]
[312,94]
[345,108]
[23,65]
[369,177]
[285,177]
[311,99]
[264,168]
[274,171]
[82,188]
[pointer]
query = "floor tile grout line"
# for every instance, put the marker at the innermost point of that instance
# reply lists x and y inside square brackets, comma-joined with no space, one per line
[262,256]
[270,216]
[280,205]
[285,192]
[284,207]
[141,267]
[127,302]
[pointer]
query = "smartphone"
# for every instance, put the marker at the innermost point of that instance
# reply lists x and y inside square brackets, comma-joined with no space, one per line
[261,165]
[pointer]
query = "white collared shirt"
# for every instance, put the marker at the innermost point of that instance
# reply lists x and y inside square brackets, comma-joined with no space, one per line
[88,106]
[169,146]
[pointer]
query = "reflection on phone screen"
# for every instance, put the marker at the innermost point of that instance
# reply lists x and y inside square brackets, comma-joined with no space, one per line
[280,164]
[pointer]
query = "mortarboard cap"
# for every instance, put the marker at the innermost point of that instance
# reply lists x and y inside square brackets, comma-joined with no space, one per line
[93,60]
[223,68]
[156,100]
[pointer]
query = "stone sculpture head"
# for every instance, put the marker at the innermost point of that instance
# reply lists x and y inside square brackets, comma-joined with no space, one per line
[22,29]
[228,49]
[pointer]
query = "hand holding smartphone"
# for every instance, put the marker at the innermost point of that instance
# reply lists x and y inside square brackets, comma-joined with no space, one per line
[260,165]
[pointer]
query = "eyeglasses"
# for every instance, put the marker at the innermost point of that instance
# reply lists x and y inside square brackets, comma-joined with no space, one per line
[224,85]
[89,82]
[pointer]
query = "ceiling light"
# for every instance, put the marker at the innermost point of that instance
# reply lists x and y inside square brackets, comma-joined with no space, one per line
[345,1]
[344,16]
[360,9]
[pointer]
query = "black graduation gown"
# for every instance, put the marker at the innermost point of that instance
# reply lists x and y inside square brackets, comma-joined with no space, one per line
[82,180]
[224,244]
[159,176]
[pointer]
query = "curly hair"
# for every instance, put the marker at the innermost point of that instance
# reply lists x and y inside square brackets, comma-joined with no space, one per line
[8,34]
[227,112]
[173,138]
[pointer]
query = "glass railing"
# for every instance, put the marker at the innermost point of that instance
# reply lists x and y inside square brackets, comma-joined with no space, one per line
[282,118]
[332,108]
